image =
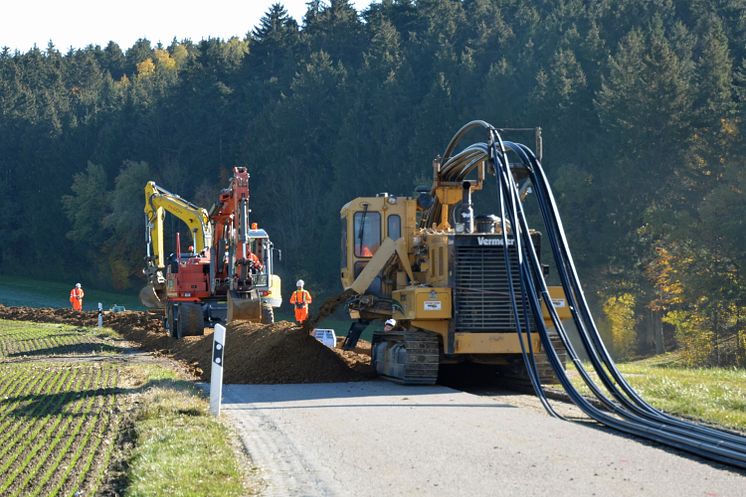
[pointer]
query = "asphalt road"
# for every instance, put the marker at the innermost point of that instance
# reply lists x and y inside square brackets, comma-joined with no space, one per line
[381,439]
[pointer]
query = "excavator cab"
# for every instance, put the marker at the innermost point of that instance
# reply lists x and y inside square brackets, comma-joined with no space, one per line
[266,281]
[367,222]
[258,301]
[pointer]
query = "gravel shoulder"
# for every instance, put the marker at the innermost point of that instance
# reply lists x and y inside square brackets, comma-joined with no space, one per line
[378,438]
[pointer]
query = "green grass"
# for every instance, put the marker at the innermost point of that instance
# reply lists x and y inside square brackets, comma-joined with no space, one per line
[62,412]
[713,395]
[60,421]
[180,450]
[17,291]
[24,339]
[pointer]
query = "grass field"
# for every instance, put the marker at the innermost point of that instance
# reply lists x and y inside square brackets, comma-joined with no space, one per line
[17,291]
[20,339]
[74,408]
[713,395]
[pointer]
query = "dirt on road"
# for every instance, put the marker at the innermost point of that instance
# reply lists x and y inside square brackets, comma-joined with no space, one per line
[254,353]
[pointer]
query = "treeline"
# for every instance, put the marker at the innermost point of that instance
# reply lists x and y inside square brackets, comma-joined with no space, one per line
[641,104]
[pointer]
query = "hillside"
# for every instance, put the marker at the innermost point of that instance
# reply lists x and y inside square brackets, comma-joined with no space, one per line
[641,106]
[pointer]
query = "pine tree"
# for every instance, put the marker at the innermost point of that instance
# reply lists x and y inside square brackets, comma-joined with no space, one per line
[335,29]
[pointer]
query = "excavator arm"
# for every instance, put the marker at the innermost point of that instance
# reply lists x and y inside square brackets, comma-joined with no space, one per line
[380,261]
[158,201]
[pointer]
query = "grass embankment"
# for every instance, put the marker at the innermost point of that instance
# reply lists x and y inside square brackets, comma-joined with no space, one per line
[129,427]
[179,449]
[713,395]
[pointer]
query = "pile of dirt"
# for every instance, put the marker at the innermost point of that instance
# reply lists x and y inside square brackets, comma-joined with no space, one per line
[277,353]
[255,353]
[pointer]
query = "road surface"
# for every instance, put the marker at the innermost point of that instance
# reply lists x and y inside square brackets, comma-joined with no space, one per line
[381,439]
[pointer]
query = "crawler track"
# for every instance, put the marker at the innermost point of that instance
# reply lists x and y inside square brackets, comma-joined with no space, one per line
[410,357]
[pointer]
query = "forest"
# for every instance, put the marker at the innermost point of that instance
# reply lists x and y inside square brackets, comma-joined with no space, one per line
[641,104]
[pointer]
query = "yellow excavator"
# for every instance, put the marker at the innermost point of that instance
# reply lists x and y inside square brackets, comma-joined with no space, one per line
[429,262]
[159,201]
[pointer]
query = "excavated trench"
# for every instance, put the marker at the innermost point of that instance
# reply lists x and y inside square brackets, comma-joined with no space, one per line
[254,353]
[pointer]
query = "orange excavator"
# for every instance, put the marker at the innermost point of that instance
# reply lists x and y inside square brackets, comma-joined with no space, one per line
[227,273]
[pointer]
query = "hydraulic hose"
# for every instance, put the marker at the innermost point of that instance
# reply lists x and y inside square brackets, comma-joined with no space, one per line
[629,413]
[588,331]
[528,356]
[630,423]
[718,440]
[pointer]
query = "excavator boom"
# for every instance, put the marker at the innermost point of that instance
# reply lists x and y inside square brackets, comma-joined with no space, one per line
[158,201]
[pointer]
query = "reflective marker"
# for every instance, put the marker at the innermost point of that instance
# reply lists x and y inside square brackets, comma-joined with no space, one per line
[216,375]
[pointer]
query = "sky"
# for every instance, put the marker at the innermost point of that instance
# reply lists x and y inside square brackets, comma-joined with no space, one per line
[78,23]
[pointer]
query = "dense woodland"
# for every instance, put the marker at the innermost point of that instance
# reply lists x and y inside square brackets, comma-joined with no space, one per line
[641,104]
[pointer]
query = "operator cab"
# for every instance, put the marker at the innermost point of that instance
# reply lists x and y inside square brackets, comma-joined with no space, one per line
[266,281]
[366,223]
[263,248]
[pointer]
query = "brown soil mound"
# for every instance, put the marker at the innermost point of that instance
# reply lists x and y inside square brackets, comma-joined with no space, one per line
[280,353]
[255,353]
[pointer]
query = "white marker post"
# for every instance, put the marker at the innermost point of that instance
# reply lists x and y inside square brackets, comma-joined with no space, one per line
[100,315]
[216,376]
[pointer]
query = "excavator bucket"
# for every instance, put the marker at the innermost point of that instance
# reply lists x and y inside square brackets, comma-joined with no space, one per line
[150,297]
[244,307]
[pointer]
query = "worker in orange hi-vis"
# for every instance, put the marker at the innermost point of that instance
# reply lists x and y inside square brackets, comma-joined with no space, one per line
[76,297]
[300,299]
[255,262]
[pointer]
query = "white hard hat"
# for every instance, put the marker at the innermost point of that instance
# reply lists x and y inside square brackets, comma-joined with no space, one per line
[391,322]
[300,283]
[77,285]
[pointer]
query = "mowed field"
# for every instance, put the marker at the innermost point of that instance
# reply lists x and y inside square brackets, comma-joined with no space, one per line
[82,413]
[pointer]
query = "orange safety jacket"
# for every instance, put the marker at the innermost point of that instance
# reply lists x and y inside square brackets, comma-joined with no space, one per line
[301,299]
[76,298]
[257,263]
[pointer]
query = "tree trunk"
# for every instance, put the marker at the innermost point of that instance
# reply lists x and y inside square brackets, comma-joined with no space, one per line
[658,339]
[716,334]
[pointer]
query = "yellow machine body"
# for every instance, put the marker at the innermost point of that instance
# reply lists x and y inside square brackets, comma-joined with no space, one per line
[408,273]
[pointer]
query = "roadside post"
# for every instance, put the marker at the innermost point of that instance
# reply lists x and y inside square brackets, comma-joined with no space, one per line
[216,375]
[100,315]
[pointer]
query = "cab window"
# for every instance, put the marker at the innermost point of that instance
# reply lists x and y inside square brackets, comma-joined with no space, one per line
[367,233]
[343,252]
[257,247]
[393,227]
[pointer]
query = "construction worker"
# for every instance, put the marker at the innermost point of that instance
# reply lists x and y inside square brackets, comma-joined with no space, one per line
[256,264]
[76,297]
[389,325]
[300,299]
